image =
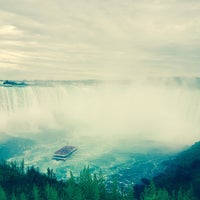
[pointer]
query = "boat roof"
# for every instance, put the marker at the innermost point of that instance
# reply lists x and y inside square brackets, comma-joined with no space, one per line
[65,150]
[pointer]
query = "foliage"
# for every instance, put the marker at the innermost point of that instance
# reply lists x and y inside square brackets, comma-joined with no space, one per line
[16,183]
[182,174]
[2,194]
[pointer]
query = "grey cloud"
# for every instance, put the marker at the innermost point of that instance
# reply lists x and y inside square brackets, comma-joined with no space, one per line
[99,37]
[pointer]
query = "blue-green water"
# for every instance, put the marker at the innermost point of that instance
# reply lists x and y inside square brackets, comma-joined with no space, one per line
[129,163]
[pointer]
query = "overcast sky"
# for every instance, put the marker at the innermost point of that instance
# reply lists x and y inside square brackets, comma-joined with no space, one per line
[99,39]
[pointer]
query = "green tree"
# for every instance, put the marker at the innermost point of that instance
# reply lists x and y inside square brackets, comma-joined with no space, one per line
[36,195]
[153,193]
[51,175]
[95,187]
[2,194]
[162,194]
[51,193]
[189,194]
[86,183]
[23,197]
[185,194]
[115,190]
[22,167]
[102,186]
[130,193]
[149,192]
[13,197]
[72,190]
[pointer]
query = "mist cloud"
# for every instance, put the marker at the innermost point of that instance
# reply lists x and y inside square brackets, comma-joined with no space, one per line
[114,112]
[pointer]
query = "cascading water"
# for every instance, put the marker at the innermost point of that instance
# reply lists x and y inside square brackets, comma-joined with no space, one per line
[106,121]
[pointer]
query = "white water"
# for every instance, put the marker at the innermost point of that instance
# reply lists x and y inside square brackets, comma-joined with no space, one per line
[145,111]
[99,119]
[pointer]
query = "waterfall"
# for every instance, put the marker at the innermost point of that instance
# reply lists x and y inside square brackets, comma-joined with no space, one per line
[147,110]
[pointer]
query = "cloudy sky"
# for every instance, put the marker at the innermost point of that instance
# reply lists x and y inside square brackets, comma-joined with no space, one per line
[99,39]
